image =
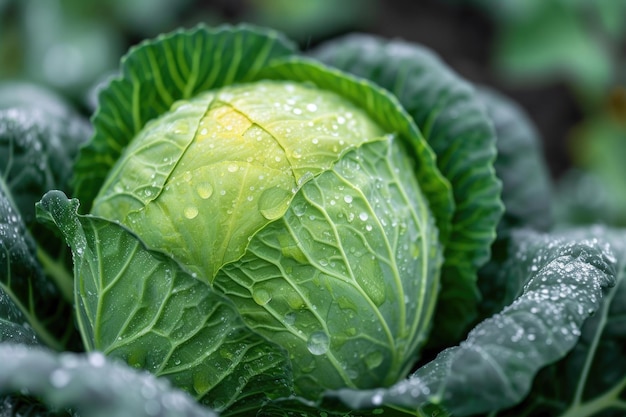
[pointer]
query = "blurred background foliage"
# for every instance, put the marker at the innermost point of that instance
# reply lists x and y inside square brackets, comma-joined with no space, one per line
[563,61]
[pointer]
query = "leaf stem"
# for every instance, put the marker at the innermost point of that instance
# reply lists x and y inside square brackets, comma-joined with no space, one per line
[606,401]
[584,375]
[33,321]
[59,274]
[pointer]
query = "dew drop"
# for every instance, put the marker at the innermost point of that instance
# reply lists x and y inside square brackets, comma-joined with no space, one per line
[311,107]
[290,318]
[261,296]
[299,208]
[96,359]
[318,343]
[363,216]
[204,190]
[233,167]
[374,359]
[59,378]
[201,383]
[190,212]
[347,198]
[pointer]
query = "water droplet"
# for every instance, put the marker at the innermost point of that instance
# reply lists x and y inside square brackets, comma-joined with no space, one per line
[318,343]
[233,167]
[374,359]
[204,190]
[347,198]
[261,296]
[187,176]
[96,359]
[190,212]
[299,208]
[363,216]
[201,383]
[311,107]
[290,318]
[59,378]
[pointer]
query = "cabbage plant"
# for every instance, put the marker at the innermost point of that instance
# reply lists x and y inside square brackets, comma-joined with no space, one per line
[259,231]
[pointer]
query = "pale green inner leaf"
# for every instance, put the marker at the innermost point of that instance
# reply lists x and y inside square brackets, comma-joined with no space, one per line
[218,168]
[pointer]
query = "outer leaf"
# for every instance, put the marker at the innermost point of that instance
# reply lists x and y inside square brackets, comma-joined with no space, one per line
[23,406]
[520,165]
[453,122]
[14,327]
[36,300]
[38,143]
[157,73]
[140,306]
[526,194]
[494,367]
[39,139]
[591,380]
[92,384]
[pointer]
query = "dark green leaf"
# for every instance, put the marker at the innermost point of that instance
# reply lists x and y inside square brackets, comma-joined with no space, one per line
[157,73]
[91,384]
[14,327]
[583,198]
[494,367]
[455,125]
[526,194]
[39,139]
[23,406]
[141,306]
[32,301]
[37,149]
[591,380]
[25,95]
[520,165]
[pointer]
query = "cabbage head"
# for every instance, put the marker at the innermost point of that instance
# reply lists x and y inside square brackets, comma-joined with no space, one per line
[299,208]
